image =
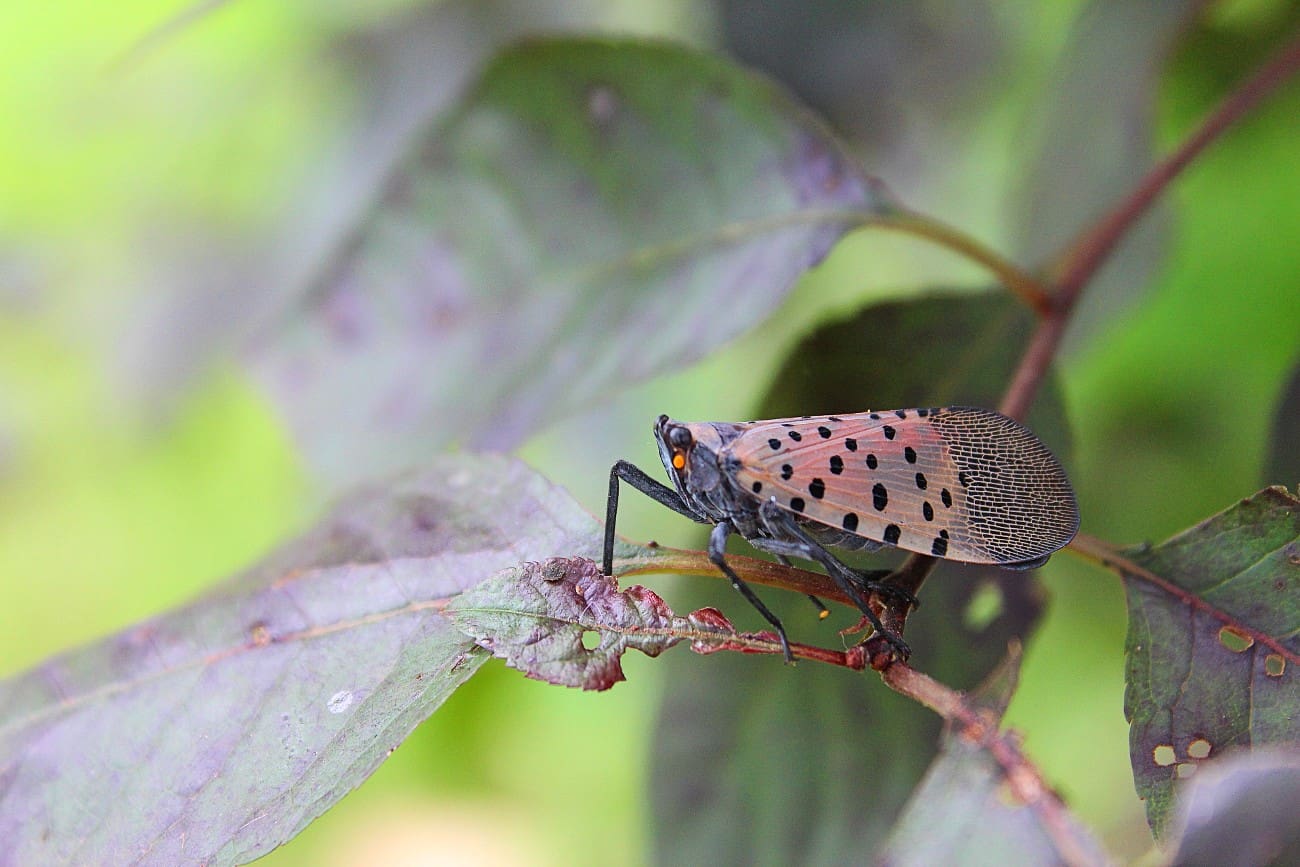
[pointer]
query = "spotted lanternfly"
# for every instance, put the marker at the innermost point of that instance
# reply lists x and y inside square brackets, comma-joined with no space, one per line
[960,483]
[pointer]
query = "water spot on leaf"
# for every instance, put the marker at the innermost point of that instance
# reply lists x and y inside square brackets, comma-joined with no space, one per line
[1235,639]
[1274,665]
[1164,755]
[340,701]
[1199,749]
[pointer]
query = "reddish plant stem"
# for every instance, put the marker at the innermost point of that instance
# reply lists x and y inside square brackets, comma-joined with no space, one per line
[981,727]
[1086,255]
[1094,549]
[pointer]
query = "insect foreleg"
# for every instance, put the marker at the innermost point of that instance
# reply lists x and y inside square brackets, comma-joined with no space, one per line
[791,540]
[718,554]
[652,488]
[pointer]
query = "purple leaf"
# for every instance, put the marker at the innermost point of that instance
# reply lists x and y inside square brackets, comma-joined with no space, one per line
[1242,811]
[216,732]
[546,243]
[1213,643]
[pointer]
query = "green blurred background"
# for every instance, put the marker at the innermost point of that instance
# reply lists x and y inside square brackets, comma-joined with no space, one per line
[142,180]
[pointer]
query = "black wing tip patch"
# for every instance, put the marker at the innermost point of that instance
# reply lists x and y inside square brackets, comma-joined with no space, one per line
[1026,509]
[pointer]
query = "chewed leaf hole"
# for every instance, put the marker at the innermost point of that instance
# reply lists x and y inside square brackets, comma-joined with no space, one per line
[1274,665]
[1164,755]
[1185,770]
[590,639]
[984,607]
[1199,749]
[1234,639]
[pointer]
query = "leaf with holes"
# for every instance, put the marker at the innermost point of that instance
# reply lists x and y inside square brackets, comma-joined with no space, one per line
[218,731]
[1213,642]
[535,616]
[584,194]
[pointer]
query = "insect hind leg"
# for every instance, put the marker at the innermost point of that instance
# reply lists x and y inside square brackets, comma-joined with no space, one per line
[869,580]
[790,540]
[822,611]
[718,554]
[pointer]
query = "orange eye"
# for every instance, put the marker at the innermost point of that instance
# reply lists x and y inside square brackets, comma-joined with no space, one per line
[679,461]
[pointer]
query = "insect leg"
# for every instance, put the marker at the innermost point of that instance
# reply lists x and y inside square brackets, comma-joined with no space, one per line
[802,545]
[717,553]
[822,611]
[652,488]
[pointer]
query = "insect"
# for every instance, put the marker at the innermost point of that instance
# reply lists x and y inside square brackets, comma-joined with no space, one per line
[961,483]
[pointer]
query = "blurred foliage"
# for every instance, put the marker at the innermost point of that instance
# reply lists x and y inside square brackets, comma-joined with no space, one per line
[197,157]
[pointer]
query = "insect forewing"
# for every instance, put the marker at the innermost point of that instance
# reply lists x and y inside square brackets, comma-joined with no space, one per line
[963,483]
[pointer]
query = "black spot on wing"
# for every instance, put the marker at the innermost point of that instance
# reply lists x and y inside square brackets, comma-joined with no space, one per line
[879,497]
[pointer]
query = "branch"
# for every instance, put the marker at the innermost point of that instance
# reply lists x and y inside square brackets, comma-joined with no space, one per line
[980,726]
[1105,555]
[1028,288]
[1089,252]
